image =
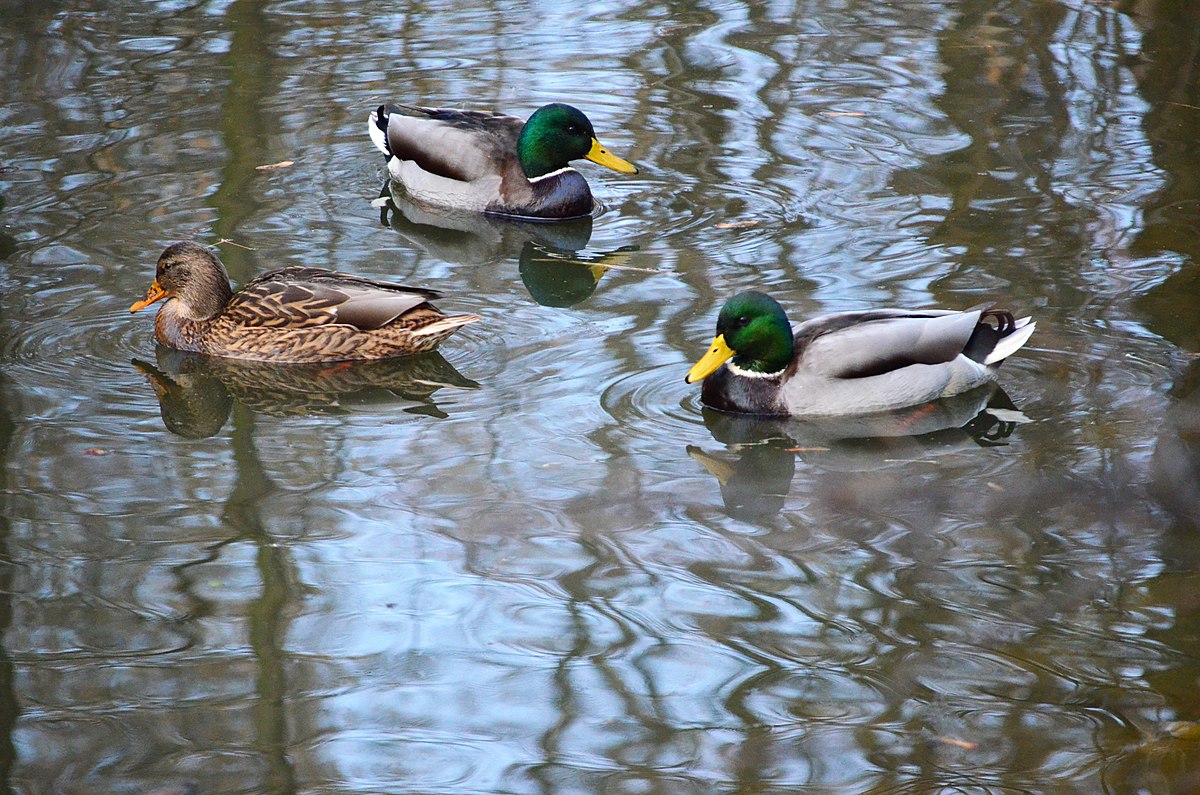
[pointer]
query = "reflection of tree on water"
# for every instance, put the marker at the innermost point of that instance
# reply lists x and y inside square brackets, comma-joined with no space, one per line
[195,393]
[755,484]
[1167,71]
[247,128]
[269,614]
[9,709]
[550,263]
[1166,750]
[9,706]
[1168,75]
[1176,462]
[1045,94]
[1166,755]
[1169,309]
[8,243]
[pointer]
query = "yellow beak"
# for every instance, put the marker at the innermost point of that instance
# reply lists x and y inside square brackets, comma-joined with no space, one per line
[718,354]
[153,294]
[598,154]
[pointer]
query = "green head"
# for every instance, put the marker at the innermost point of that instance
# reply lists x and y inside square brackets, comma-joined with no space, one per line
[753,330]
[555,135]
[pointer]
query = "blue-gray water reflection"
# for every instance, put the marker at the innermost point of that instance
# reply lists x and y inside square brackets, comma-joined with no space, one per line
[567,578]
[195,392]
[756,480]
[550,257]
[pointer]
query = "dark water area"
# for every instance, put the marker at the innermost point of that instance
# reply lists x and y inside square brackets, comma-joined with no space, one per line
[532,562]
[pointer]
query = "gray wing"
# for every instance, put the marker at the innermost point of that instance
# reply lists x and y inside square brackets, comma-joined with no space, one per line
[455,144]
[863,344]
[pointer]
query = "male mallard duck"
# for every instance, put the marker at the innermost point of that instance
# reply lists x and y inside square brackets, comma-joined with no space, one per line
[849,362]
[291,315]
[492,163]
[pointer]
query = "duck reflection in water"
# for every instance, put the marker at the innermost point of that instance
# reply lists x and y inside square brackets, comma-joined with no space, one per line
[196,393]
[756,472]
[1175,473]
[548,255]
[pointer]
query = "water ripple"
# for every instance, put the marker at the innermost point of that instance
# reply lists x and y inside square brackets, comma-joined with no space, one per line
[69,338]
[656,400]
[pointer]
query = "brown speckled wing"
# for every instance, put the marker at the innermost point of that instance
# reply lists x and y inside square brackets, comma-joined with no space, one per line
[309,297]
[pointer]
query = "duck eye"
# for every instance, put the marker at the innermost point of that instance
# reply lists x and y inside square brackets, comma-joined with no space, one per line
[743,321]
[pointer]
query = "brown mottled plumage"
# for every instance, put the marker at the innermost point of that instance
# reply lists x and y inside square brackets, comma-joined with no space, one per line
[292,314]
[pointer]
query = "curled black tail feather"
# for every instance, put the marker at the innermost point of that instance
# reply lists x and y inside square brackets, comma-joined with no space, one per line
[1005,322]
[986,335]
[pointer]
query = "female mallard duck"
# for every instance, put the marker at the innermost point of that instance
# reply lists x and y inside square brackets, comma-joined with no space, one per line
[849,362]
[291,315]
[492,163]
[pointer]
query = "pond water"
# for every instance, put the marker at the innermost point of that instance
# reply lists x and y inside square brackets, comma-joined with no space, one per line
[532,563]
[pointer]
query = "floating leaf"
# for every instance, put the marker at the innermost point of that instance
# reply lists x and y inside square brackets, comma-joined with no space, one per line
[273,166]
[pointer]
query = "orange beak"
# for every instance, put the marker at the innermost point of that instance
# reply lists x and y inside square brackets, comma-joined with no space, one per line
[155,293]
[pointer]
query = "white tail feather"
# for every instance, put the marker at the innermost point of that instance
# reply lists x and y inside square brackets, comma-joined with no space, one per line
[1012,343]
[378,136]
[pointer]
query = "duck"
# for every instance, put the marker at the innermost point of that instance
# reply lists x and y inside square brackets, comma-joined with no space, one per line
[290,315]
[492,163]
[848,363]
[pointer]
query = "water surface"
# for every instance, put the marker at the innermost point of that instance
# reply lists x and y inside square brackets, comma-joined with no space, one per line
[532,563]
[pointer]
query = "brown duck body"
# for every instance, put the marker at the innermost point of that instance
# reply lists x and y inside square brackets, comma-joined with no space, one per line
[290,315]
